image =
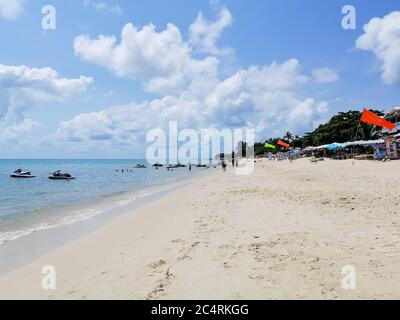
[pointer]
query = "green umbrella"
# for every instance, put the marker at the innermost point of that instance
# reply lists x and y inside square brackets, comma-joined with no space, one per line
[270,146]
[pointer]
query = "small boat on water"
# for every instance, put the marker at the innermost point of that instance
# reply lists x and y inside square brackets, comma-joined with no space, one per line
[157,165]
[58,175]
[22,174]
[201,166]
[140,166]
[176,166]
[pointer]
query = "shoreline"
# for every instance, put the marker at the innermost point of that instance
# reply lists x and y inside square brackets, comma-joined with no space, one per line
[285,232]
[29,247]
[33,205]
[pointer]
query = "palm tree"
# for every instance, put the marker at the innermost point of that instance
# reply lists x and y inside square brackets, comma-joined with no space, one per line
[289,137]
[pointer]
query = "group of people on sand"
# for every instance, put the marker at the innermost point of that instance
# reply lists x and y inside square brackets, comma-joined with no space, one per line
[235,163]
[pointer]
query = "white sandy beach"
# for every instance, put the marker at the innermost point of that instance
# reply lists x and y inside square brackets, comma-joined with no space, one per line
[284,232]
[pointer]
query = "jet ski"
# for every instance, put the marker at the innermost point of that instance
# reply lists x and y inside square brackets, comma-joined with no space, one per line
[58,175]
[22,174]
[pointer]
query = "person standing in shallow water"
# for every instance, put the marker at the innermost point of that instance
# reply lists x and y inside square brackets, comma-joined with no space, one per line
[190,167]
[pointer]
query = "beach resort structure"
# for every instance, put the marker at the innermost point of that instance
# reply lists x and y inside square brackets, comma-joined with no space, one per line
[392,116]
[386,147]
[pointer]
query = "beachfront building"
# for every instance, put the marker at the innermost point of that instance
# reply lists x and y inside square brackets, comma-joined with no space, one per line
[391,137]
[392,116]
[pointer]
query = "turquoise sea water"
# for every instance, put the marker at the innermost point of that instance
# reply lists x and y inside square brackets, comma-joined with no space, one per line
[30,205]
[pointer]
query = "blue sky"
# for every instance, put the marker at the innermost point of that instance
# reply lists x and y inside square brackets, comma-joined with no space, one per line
[274,65]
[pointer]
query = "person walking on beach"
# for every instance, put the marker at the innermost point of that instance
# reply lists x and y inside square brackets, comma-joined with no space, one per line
[224,165]
[190,167]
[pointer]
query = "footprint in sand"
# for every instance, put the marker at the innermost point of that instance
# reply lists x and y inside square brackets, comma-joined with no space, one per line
[156,292]
[256,277]
[157,264]
[162,286]
[186,251]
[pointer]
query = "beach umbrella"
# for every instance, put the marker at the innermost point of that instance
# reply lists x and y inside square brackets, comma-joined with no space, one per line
[333,146]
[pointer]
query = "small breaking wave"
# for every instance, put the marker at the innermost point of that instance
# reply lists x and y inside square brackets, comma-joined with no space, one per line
[69,219]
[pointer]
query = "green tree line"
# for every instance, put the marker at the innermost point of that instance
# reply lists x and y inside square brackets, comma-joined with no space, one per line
[340,128]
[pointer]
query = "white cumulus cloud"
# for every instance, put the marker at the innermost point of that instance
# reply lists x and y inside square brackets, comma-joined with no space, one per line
[325,75]
[103,6]
[264,98]
[382,37]
[15,131]
[11,9]
[161,59]
[22,87]
[204,34]
[192,91]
